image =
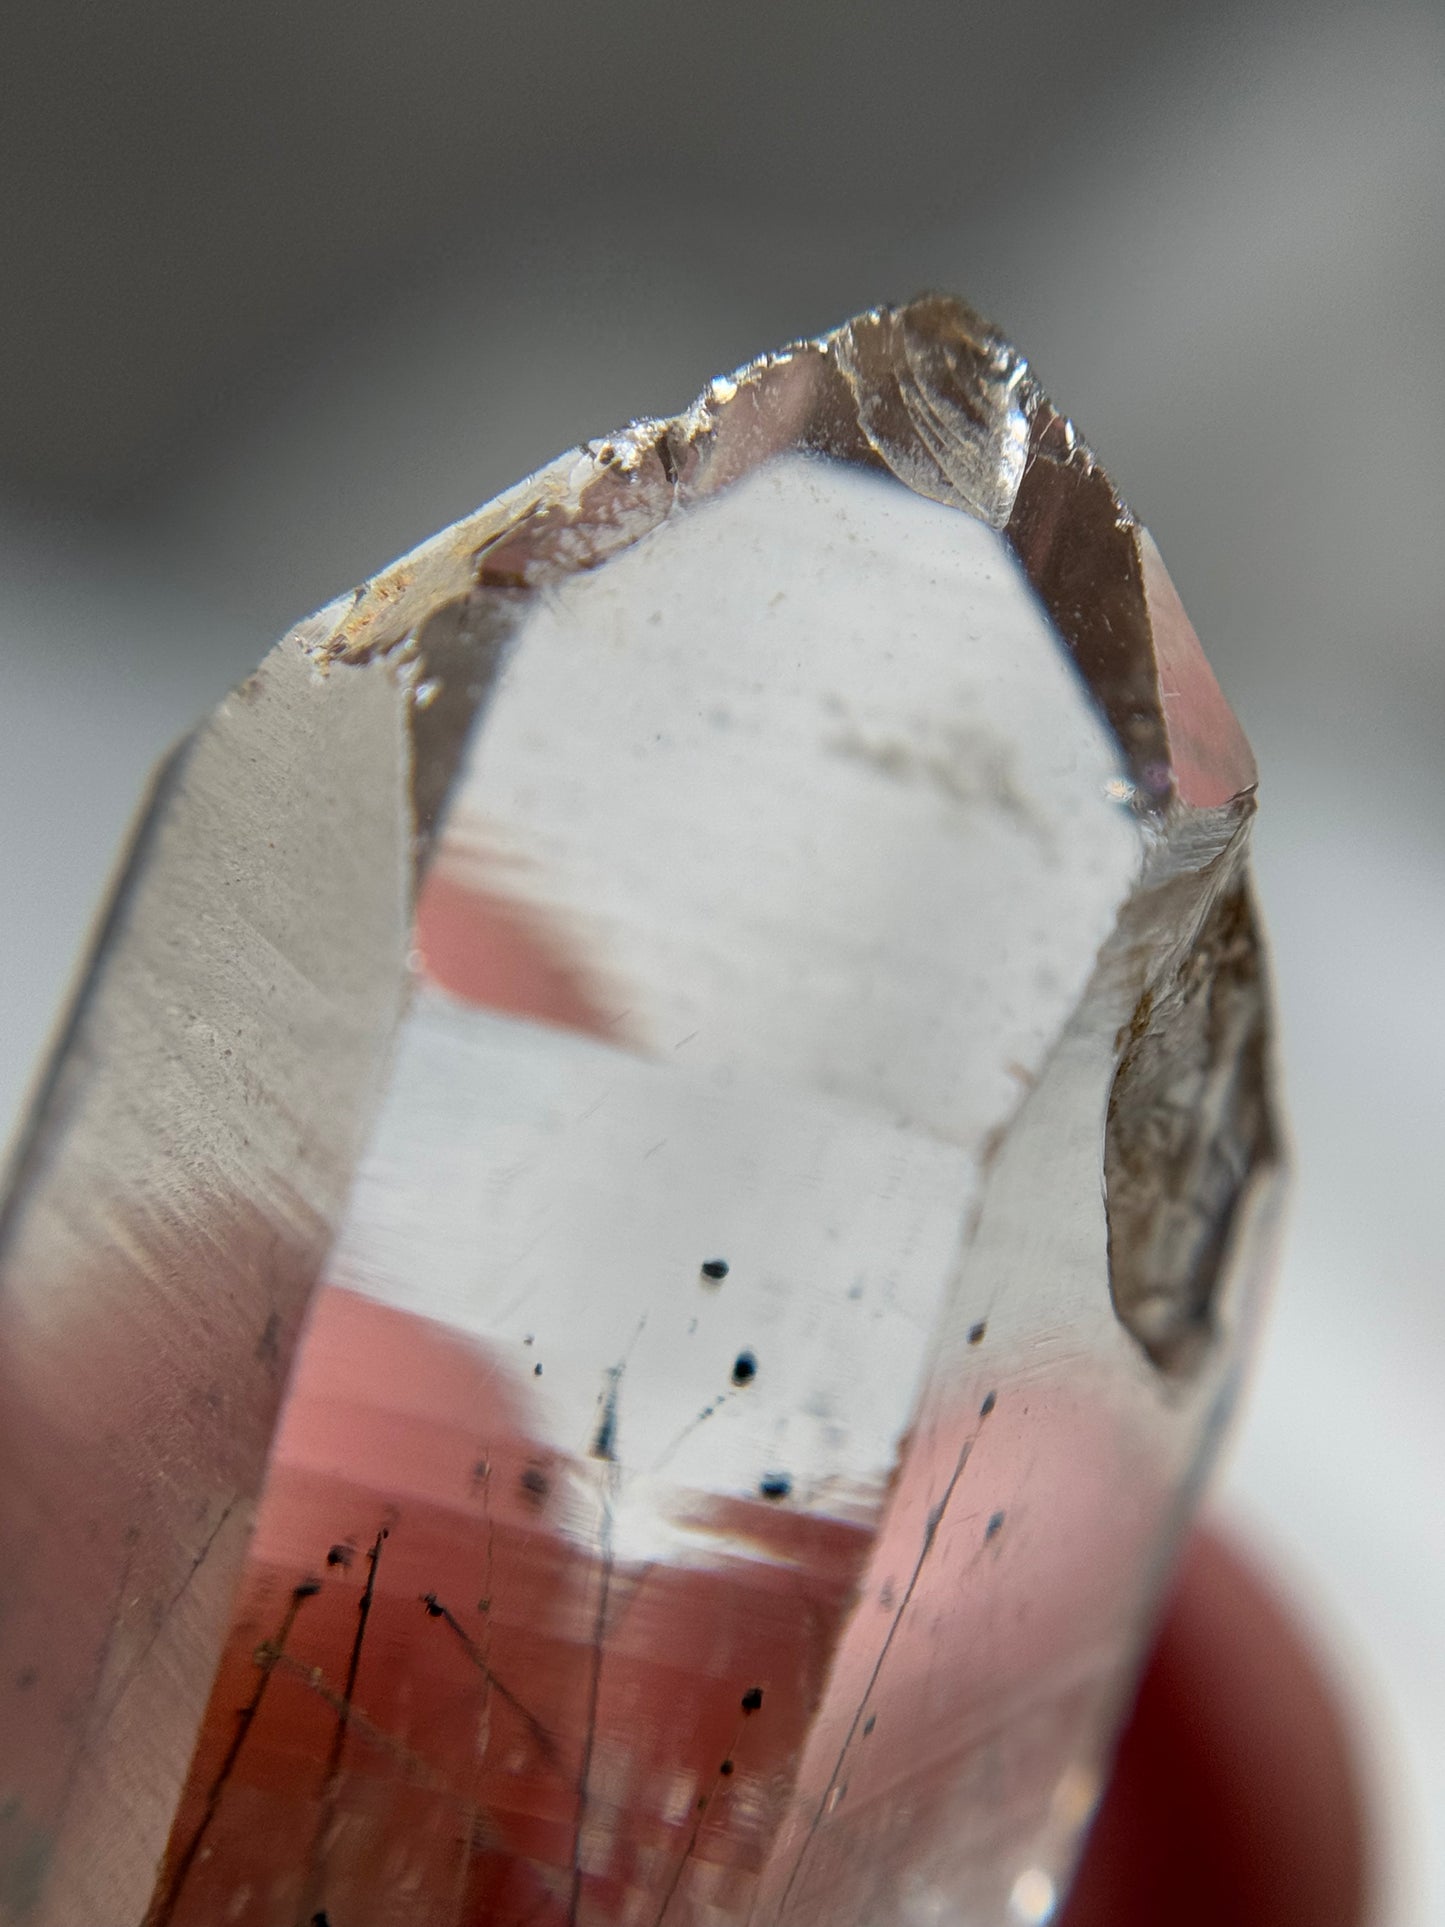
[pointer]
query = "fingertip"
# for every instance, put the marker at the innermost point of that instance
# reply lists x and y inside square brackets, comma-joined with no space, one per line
[1236,1799]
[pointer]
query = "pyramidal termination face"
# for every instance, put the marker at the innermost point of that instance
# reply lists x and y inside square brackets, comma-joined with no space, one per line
[652,1203]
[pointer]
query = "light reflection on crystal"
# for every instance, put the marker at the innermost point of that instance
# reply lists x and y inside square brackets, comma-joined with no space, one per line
[1033,1898]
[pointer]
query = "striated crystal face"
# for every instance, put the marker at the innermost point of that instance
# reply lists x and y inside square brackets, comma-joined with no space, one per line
[649,1217]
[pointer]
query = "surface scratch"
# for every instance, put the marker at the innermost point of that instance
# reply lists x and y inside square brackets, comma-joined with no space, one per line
[171,1604]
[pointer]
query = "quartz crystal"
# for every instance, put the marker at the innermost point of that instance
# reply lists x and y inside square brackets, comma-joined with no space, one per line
[635,1251]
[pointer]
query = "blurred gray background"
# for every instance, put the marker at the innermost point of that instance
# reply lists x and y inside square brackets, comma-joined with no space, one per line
[286,287]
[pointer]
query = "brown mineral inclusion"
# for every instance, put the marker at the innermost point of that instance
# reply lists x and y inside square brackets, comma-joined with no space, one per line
[639,1241]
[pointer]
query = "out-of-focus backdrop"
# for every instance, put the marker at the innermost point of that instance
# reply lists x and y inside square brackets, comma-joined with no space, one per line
[285,288]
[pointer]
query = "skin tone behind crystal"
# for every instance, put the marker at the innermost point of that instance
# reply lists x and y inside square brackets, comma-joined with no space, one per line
[1237,1798]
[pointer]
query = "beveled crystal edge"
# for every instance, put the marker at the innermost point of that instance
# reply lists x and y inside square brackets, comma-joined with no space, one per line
[928,391]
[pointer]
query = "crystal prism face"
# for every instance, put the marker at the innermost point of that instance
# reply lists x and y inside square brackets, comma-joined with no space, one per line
[653,1206]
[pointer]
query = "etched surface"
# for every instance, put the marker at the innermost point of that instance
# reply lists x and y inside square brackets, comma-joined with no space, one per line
[1189,1129]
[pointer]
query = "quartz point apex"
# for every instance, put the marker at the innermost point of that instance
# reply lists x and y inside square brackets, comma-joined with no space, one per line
[652,1204]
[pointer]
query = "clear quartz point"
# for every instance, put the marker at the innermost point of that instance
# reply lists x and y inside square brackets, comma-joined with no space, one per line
[614,1304]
